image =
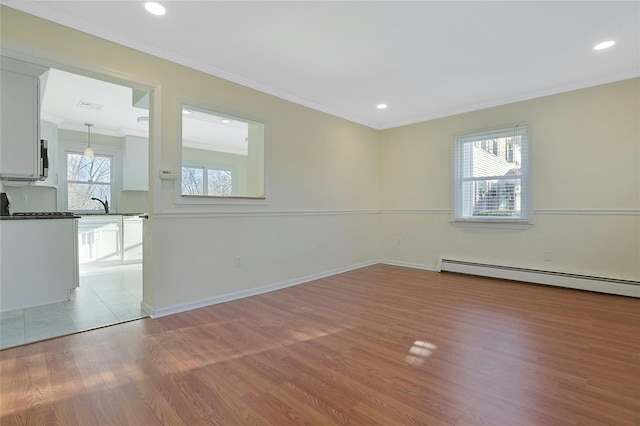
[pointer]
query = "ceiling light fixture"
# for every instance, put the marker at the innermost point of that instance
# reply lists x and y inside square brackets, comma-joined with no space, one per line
[226,121]
[88,151]
[186,112]
[604,45]
[90,105]
[155,8]
[381,106]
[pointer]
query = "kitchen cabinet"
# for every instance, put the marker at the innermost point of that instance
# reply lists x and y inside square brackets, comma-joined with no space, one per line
[100,240]
[20,122]
[135,164]
[109,240]
[39,262]
[131,239]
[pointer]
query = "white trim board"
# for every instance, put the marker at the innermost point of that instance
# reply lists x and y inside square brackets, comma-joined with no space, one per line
[183,307]
[409,265]
[244,213]
[601,285]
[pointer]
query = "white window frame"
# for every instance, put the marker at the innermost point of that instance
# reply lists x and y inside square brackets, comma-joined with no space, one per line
[115,153]
[461,150]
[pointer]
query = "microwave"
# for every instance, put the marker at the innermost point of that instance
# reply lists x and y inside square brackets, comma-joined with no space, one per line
[43,166]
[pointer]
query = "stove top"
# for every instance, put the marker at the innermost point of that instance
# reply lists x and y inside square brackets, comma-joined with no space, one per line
[45,214]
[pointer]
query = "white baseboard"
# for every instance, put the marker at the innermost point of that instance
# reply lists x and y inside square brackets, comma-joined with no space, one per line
[409,265]
[564,280]
[183,307]
[147,309]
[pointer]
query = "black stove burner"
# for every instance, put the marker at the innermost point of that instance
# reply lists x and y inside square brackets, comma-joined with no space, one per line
[45,214]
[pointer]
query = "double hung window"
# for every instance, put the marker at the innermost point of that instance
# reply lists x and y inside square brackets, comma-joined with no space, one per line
[207,180]
[491,176]
[87,178]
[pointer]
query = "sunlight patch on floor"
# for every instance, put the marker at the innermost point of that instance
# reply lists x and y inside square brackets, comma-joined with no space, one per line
[419,352]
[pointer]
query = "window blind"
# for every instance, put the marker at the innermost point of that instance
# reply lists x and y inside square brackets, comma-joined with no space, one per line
[491,175]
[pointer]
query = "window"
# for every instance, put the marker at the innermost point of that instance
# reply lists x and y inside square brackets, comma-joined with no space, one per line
[222,157]
[88,177]
[219,181]
[192,180]
[491,175]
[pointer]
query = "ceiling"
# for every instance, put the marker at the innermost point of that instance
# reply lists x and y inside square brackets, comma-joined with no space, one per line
[70,100]
[425,59]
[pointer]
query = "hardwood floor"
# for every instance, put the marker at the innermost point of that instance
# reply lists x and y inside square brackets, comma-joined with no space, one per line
[382,345]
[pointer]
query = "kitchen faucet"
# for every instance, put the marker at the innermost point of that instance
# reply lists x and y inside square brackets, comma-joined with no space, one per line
[104,203]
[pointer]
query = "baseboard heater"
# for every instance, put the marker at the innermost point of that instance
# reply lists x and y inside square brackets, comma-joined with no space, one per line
[560,279]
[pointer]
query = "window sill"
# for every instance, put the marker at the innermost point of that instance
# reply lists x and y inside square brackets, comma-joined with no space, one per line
[492,223]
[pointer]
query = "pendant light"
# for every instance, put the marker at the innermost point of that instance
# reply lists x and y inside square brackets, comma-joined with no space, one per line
[88,152]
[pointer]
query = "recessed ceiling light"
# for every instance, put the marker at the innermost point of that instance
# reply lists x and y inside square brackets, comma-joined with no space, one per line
[604,45]
[381,106]
[155,8]
[226,121]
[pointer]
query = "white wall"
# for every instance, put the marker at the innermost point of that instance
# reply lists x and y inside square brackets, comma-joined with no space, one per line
[585,149]
[31,198]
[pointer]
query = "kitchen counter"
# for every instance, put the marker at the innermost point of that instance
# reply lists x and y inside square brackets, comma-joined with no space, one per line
[74,216]
[113,214]
[38,217]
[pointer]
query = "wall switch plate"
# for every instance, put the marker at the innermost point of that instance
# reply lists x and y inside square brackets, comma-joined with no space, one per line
[168,174]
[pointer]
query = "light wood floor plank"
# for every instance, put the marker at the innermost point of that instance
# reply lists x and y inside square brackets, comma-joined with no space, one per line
[381,345]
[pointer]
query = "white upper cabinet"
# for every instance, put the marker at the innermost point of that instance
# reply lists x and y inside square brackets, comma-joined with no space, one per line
[20,122]
[135,164]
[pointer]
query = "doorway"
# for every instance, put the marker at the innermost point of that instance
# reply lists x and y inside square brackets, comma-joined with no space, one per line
[110,243]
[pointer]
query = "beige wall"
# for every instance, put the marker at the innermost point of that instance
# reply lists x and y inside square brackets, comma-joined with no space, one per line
[322,170]
[585,149]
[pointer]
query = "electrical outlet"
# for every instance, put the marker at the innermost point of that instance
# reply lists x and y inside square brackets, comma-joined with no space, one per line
[399,241]
[547,256]
[238,260]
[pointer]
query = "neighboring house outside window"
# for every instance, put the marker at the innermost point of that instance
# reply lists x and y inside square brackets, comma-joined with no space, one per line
[491,181]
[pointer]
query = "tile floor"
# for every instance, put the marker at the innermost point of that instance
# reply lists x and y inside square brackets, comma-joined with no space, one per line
[105,296]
